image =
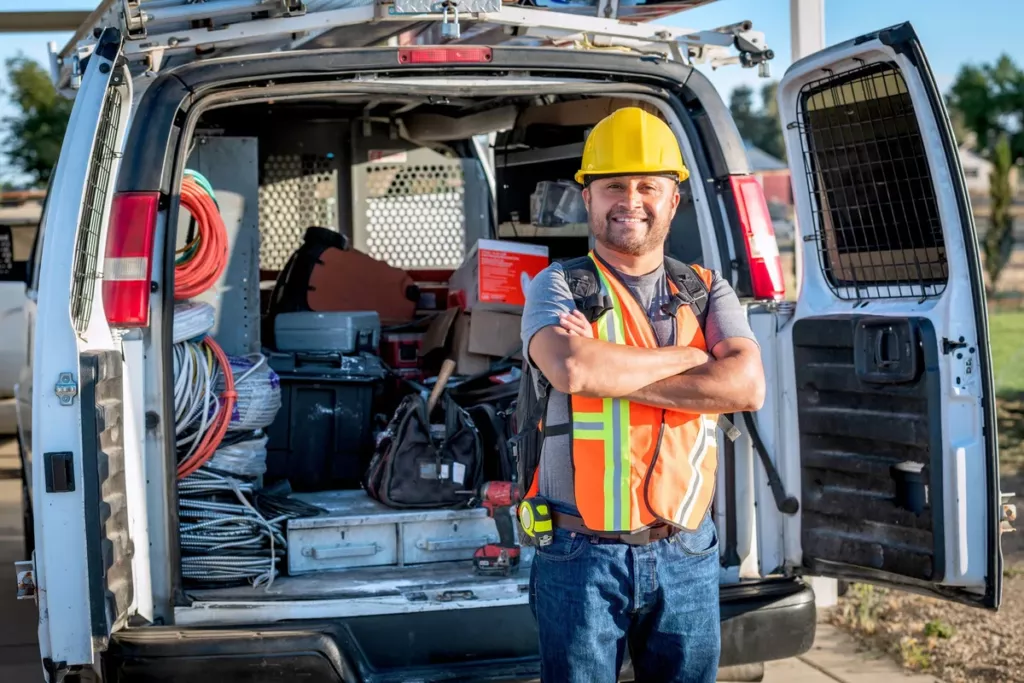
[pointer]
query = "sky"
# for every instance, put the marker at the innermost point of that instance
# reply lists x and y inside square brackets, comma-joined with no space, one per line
[953,32]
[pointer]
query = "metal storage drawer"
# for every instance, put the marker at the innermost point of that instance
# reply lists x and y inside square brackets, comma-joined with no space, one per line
[333,543]
[447,539]
[357,531]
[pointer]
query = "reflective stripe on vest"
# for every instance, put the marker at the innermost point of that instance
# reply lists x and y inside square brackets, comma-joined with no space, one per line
[635,465]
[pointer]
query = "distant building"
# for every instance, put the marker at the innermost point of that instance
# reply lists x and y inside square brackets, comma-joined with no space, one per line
[976,173]
[774,176]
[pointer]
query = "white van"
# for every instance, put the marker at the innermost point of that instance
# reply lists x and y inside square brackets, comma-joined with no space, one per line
[874,458]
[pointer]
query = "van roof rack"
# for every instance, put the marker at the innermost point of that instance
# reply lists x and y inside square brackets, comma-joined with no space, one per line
[161,34]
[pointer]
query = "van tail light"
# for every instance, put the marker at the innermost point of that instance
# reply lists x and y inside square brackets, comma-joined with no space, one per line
[129,258]
[766,278]
[445,55]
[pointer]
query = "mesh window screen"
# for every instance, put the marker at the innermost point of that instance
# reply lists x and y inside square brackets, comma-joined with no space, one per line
[298,190]
[414,213]
[875,212]
[87,248]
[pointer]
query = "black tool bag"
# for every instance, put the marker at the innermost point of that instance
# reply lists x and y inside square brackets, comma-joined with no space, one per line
[411,468]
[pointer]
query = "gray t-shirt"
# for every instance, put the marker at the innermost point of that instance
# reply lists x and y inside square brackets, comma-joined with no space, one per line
[548,297]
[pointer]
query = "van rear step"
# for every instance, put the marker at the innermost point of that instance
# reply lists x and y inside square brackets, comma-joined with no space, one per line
[493,644]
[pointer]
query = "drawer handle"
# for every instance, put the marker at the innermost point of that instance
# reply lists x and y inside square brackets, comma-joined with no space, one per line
[444,544]
[334,552]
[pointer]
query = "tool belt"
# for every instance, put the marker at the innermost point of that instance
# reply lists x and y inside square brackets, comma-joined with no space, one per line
[642,537]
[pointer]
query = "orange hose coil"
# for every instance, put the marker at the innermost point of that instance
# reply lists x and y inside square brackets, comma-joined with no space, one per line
[204,268]
[215,433]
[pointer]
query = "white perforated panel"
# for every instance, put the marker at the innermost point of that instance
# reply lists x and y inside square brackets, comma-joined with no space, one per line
[298,191]
[415,215]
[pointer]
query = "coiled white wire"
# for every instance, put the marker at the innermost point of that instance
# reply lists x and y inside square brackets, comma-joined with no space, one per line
[246,458]
[192,320]
[259,392]
[195,398]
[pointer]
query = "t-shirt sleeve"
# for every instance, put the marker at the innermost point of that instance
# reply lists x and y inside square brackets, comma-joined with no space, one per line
[547,297]
[726,315]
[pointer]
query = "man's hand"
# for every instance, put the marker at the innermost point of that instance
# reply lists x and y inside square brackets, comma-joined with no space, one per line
[576,324]
[732,381]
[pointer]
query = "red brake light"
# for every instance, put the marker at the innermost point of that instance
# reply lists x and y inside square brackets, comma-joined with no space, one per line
[129,258]
[766,278]
[445,55]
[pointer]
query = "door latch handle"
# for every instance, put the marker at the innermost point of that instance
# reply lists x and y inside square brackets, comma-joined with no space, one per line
[883,349]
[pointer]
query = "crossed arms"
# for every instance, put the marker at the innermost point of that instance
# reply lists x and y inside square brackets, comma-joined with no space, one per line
[730,379]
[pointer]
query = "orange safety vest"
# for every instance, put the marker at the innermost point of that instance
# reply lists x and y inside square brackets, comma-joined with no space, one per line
[636,465]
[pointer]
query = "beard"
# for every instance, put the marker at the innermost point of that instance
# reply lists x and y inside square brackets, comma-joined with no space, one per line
[634,239]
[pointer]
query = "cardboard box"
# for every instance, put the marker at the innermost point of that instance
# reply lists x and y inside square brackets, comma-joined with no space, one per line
[495,274]
[474,340]
[494,333]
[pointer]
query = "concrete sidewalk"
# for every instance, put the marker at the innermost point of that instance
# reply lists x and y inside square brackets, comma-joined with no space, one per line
[836,658]
[833,659]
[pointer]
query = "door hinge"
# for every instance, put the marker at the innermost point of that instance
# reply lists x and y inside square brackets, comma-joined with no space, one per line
[25,570]
[66,388]
[949,347]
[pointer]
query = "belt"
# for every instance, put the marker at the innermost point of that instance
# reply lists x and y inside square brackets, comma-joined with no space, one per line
[641,537]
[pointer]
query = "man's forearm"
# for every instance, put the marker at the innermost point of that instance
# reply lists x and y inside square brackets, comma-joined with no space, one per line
[589,367]
[729,385]
[601,369]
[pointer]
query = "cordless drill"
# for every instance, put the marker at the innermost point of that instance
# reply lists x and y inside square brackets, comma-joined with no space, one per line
[501,558]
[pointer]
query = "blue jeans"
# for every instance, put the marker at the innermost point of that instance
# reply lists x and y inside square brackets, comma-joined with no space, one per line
[594,597]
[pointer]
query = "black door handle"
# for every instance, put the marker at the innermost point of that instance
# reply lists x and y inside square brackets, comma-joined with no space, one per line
[885,350]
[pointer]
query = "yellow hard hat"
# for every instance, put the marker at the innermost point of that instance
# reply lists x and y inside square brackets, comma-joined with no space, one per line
[631,141]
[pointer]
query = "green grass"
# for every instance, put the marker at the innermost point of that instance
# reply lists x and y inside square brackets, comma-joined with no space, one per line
[1006,332]
[1006,336]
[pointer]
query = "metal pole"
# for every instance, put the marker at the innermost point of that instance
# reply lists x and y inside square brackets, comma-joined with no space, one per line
[807,29]
[807,36]
[807,26]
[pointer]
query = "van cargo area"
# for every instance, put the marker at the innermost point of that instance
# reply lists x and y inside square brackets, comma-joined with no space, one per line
[368,243]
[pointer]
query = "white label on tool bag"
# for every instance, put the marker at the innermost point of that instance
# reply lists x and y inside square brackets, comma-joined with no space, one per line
[458,472]
[444,471]
[428,470]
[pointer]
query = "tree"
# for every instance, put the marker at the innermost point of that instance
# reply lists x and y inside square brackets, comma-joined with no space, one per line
[997,244]
[770,138]
[987,103]
[33,136]
[761,127]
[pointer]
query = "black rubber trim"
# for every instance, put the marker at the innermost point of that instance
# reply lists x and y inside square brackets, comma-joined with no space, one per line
[718,131]
[904,40]
[109,45]
[88,377]
[760,622]
[731,557]
[177,89]
[152,138]
[703,149]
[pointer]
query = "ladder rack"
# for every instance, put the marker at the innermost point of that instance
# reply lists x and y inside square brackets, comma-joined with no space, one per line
[164,33]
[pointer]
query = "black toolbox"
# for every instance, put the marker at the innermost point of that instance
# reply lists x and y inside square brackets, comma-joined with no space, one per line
[322,437]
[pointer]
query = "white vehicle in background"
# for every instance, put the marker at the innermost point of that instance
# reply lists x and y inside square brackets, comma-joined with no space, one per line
[20,212]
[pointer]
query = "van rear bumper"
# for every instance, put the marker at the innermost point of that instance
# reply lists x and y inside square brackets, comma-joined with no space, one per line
[760,622]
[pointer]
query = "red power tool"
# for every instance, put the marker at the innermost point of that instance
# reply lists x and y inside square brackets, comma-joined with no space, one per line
[501,558]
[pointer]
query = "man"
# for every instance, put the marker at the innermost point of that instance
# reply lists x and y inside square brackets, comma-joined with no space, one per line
[631,475]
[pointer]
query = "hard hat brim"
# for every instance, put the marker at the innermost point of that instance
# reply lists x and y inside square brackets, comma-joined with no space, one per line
[584,178]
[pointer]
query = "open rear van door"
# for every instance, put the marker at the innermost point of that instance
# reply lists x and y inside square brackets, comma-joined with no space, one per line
[888,415]
[91,556]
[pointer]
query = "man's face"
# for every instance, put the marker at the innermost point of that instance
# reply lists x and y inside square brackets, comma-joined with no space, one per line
[631,214]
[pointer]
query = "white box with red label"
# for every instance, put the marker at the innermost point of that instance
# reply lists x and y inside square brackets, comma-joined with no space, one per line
[496,273]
